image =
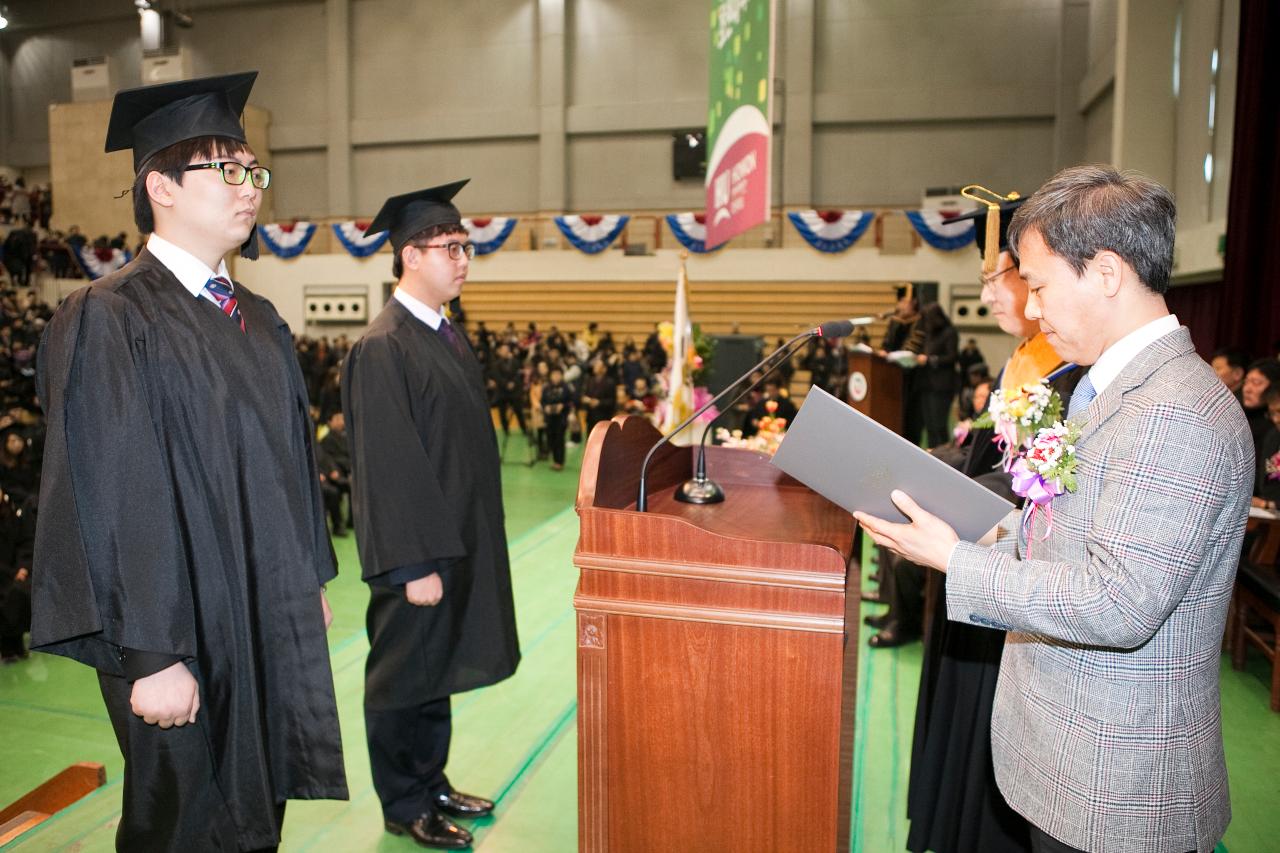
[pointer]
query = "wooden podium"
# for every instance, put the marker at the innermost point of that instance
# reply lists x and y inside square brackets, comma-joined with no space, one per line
[715,679]
[875,389]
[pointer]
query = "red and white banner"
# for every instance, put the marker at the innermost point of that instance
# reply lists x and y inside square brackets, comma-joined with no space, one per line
[99,262]
[287,239]
[352,237]
[489,232]
[592,234]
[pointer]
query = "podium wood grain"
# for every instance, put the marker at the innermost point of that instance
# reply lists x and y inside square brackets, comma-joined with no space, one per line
[883,399]
[715,683]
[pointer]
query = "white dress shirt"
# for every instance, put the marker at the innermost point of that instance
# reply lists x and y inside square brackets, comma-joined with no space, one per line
[419,309]
[186,267]
[1117,356]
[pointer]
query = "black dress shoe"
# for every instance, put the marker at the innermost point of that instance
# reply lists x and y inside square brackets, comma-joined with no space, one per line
[889,637]
[877,622]
[433,830]
[458,804]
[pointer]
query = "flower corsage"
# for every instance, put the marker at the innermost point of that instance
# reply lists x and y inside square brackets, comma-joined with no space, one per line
[1046,469]
[1273,467]
[1018,415]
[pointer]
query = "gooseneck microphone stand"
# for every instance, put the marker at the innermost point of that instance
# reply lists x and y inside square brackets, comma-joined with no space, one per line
[772,361]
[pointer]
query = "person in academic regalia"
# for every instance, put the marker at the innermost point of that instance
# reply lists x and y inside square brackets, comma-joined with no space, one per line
[427,491]
[180,547]
[953,803]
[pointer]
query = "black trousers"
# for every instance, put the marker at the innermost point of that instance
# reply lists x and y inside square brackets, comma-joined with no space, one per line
[171,798]
[902,588]
[557,425]
[333,494]
[15,616]
[1043,842]
[408,749]
[506,404]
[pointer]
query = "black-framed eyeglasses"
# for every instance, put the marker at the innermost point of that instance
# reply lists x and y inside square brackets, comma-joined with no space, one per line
[234,173]
[456,249]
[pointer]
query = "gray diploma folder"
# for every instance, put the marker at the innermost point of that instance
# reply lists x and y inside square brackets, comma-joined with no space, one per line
[855,463]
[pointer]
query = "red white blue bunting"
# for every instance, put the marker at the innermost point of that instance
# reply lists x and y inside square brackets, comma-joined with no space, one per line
[352,237]
[592,234]
[288,239]
[935,229]
[831,230]
[691,230]
[99,262]
[489,232]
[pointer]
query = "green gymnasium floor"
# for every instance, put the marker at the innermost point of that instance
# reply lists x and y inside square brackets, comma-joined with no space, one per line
[517,741]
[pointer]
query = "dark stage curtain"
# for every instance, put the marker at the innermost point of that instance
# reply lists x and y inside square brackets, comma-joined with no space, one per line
[1200,308]
[1249,315]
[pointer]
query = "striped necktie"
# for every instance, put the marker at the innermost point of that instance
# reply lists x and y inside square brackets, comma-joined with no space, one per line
[1081,397]
[222,291]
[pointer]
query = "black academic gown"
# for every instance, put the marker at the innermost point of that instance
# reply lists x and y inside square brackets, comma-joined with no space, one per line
[180,515]
[953,803]
[427,492]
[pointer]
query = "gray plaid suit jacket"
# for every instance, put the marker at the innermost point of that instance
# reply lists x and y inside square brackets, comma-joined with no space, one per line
[1106,731]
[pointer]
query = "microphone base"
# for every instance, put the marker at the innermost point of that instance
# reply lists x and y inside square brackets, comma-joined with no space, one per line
[702,491]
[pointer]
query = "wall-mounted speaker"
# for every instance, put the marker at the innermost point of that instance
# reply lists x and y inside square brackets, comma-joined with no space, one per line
[336,308]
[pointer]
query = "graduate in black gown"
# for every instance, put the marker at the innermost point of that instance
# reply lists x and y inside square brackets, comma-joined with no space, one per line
[427,492]
[953,803]
[180,544]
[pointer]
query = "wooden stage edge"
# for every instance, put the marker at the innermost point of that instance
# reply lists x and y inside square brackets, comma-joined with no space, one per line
[47,799]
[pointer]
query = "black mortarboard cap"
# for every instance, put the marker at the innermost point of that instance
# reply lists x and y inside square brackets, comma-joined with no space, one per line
[412,213]
[151,118]
[979,217]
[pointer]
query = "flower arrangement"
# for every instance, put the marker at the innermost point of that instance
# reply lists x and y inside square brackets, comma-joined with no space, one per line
[697,354]
[1018,414]
[1039,447]
[768,435]
[697,358]
[1047,467]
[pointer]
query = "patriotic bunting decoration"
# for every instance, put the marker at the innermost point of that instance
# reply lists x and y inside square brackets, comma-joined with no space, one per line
[287,240]
[99,262]
[352,237]
[831,230]
[592,234]
[489,232]
[691,230]
[934,228]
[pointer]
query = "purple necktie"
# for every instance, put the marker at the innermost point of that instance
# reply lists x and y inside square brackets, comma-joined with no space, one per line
[220,289]
[451,337]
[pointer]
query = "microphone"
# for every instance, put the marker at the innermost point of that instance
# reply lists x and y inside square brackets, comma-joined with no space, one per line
[701,490]
[835,326]
[844,328]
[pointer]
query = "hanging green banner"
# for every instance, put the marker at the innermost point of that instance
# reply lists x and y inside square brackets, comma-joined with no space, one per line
[739,120]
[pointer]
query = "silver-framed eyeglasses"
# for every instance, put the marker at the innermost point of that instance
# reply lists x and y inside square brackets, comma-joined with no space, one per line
[986,280]
[456,250]
[234,173]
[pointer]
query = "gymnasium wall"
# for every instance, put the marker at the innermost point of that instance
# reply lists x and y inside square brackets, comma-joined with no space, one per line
[567,105]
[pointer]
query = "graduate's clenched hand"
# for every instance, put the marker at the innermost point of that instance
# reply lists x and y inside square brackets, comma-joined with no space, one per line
[927,540]
[328,611]
[425,592]
[170,697]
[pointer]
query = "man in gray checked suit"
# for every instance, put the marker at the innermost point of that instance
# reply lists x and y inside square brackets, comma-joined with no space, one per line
[1106,732]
